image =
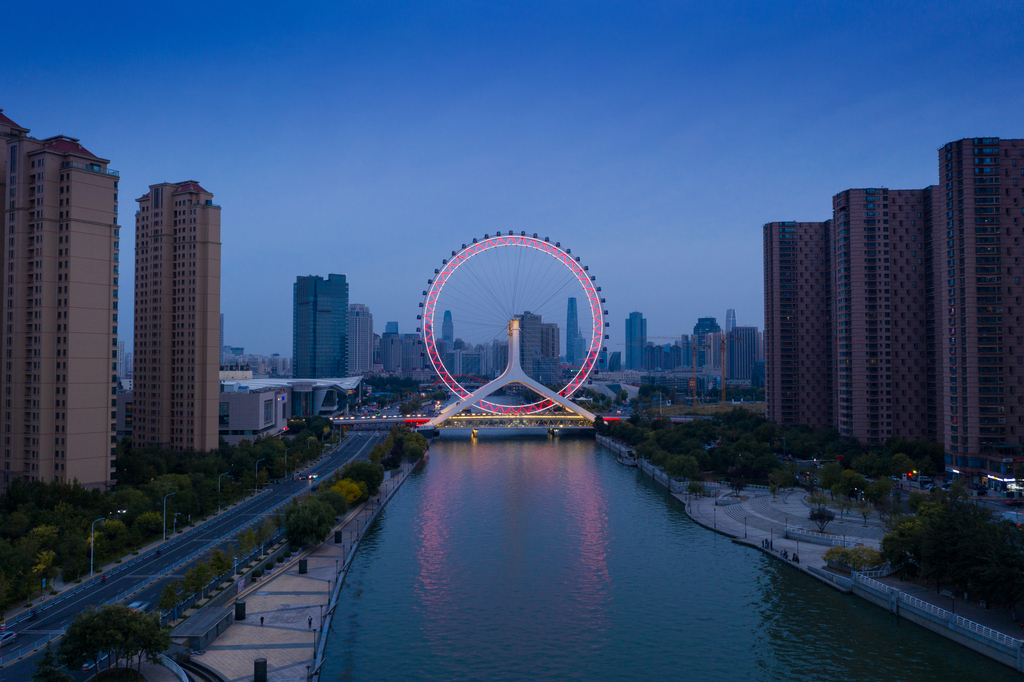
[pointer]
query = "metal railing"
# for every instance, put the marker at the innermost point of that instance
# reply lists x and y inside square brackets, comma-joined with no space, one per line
[940,613]
[93,167]
[35,646]
[821,539]
[173,667]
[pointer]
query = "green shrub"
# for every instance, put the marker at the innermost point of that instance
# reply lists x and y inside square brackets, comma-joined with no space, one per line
[257,573]
[269,566]
[280,559]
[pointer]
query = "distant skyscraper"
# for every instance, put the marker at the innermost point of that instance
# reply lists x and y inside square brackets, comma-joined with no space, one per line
[636,339]
[730,320]
[701,330]
[120,359]
[391,328]
[447,327]
[360,339]
[320,327]
[177,391]
[574,350]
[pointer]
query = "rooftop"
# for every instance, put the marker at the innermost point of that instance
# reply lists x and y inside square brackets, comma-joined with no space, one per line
[62,144]
[189,186]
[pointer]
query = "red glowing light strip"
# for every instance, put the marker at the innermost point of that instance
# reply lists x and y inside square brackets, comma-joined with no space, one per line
[548,248]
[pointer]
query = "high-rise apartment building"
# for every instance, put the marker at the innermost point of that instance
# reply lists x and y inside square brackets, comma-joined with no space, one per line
[360,339]
[798,323]
[59,310]
[320,327]
[177,318]
[636,340]
[977,245]
[882,297]
[221,347]
[741,352]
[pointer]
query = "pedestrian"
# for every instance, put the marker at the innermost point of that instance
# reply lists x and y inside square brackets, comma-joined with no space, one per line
[261,621]
[309,620]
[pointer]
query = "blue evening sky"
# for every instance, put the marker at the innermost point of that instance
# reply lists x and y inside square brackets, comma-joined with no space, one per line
[371,138]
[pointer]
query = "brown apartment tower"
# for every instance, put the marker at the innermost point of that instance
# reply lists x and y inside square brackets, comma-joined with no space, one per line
[177,318]
[60,284]
[978,244]
[884,308]
[798,323]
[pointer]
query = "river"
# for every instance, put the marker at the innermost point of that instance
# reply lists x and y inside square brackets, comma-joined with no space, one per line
[539,558]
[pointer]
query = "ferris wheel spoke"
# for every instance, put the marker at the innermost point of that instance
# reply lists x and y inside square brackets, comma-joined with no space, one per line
[490,283]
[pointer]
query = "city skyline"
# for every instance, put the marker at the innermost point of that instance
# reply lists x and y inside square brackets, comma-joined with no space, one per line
[578,137]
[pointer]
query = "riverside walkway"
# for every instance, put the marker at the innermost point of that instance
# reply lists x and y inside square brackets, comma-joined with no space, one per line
[294,607]
[759,517]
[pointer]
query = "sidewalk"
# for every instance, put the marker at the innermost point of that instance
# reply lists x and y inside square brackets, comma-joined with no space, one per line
[287,601]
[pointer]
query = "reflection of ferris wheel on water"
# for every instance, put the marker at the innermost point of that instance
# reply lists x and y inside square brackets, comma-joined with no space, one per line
[523,291]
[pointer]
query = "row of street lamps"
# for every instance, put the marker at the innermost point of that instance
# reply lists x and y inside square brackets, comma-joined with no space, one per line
[92,527]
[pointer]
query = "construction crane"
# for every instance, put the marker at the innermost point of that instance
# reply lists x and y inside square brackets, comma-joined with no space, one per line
[725,363]
[695,347]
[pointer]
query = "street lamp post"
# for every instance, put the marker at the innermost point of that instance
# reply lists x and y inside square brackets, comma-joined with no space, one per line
[258,472]
[174,527]
[92,531]
[165,514]
[218,489]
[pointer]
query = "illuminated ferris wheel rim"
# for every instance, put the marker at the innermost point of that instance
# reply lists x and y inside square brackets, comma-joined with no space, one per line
[545,246]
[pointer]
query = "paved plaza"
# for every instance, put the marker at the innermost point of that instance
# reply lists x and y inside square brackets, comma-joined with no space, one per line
[291,605]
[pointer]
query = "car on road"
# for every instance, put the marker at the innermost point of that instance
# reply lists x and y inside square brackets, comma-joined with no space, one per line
[89,665]
[139,605]
[8,638]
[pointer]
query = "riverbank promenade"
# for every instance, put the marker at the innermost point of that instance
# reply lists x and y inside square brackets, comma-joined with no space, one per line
[285,612]
[759,517]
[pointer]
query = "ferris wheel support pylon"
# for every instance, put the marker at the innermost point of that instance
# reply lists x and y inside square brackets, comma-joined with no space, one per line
[513,374]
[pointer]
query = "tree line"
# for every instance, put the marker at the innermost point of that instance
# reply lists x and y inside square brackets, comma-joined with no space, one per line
[47,529]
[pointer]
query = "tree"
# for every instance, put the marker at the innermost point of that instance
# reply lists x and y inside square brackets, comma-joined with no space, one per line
[48,670]
[220,563]
[337,500]
[696,487]
[370,474]
[864,509]
[309,522]
[830,475]
[86,638]
[822,516]
[44,567]
[169,597]
[149,523]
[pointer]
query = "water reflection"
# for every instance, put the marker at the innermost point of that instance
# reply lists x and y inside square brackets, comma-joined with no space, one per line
[538,559]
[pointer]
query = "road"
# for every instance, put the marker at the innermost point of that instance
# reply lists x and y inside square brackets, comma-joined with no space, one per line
[144,579]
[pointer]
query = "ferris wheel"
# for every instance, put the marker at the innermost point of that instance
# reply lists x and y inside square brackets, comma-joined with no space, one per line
[491,285]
